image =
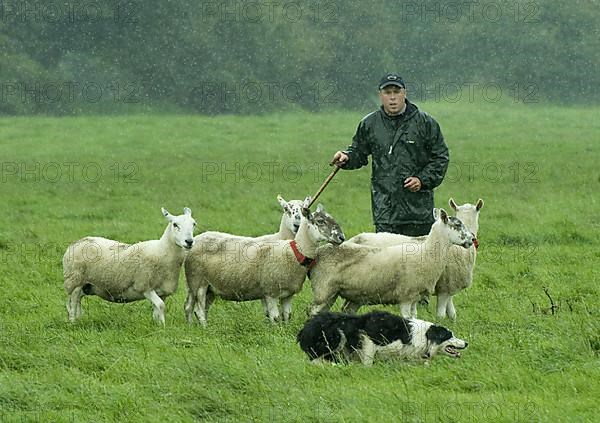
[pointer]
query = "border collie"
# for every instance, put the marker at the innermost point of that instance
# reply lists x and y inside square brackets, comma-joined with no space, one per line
[337,337]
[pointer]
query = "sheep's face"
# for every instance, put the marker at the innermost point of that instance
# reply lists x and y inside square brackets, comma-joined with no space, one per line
[323,227]
[468,214]
[182,228]
[459,234]
[292,213]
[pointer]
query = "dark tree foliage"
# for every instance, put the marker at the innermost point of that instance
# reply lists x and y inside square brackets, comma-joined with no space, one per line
[236,56]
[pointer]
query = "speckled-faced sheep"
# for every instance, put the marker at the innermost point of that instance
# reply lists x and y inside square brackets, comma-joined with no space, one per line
[119,272]
[458,273]
[242,269]
[290,221]
[398,274]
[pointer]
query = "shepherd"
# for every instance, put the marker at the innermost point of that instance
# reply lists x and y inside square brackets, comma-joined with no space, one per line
[410,159]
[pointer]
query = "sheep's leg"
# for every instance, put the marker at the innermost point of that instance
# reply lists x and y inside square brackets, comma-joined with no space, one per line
[406,310]
[200,307]
[325,305]
[324,295]
[158,312]
[317,308]
[350,307]
[273,309]
[367,351]
[450,309]
[413,309]
[265,307]
[74,304]
[190,303]
[210,298]
[442,304]
[286,305]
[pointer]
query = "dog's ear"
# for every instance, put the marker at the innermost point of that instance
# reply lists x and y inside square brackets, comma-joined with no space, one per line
[438,334]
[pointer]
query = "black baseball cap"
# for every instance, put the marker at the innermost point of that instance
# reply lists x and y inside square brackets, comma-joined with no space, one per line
[391,79]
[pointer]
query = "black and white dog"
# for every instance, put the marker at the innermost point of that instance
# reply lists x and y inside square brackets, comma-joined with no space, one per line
[338,337]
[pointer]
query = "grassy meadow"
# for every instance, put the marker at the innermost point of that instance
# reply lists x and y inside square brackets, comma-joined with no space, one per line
[64,178]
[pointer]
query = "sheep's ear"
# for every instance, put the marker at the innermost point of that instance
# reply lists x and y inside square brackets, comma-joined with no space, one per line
[479,204]
[452,204]
[306,202]
[443,215]
[284,204]
[306,212]
[436,214]
[187,211]
[166,214]
[320,208]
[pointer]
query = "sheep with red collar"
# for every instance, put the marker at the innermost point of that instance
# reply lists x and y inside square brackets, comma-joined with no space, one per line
[244,269]
[288,226]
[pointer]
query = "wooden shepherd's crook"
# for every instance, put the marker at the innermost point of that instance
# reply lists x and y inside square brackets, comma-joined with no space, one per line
[329,178]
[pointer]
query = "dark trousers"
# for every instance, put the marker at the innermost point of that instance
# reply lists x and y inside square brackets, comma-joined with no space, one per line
[408,230]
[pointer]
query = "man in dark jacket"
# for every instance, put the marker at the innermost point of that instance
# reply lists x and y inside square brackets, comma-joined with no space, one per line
[410,159]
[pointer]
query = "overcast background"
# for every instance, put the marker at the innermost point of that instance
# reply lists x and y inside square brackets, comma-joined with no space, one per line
[85,57]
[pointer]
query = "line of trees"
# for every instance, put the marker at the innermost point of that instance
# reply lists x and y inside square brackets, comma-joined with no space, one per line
[67,57]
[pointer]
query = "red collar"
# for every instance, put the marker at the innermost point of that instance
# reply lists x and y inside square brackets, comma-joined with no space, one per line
[302,259]
[475,243]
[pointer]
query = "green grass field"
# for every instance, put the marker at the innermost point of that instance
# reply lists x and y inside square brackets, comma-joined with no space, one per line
[61,179]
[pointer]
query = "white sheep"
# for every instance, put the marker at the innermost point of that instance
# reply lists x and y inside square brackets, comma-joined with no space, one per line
[242,269]
[119,272]
[288,226]
[398,274]
[457,275]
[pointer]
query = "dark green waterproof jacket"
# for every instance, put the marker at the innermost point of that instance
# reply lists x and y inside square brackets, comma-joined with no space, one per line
[411,144]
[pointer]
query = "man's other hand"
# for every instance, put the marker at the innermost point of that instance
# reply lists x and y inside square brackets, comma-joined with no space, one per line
[412,183]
